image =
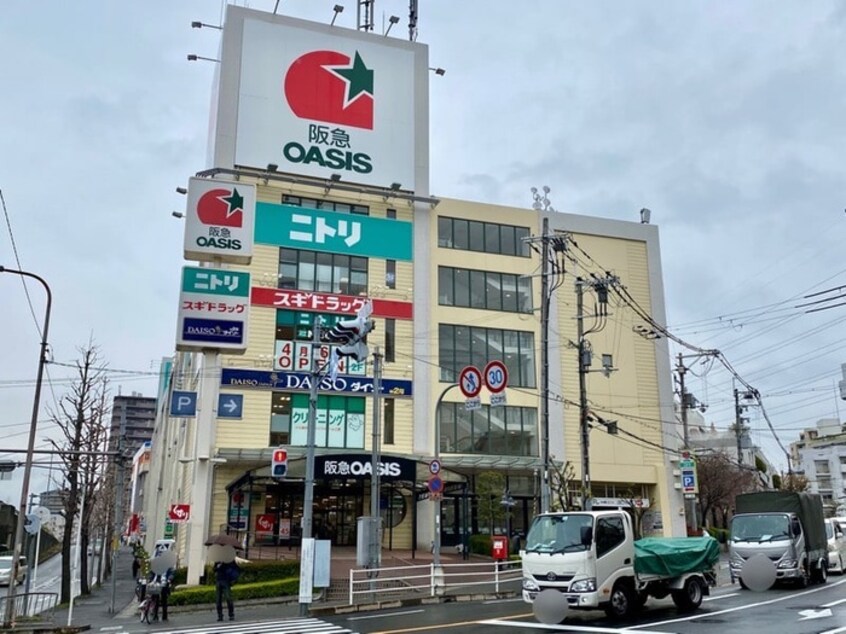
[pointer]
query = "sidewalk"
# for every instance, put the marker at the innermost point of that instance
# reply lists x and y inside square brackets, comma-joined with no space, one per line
[93,612]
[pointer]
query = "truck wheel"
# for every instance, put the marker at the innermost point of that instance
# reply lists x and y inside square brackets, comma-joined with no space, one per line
[690,597]
[621,601]
[820,574]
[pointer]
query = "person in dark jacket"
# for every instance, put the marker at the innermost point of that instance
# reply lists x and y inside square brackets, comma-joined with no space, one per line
[136,565]
[225,574]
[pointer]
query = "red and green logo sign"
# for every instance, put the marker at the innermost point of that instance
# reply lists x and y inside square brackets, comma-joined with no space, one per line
[221,207]
[329,86]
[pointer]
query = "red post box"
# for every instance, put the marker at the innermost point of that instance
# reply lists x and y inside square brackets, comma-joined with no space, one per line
[500,547]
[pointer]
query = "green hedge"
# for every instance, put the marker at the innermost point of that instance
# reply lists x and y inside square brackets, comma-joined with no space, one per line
[481,545]
[196,595]
[253,572]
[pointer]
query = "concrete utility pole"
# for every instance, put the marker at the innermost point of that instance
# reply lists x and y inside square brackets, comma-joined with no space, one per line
[584,429]
[120,482]
[436,539]
[545,483]
[690,503]
[738,425]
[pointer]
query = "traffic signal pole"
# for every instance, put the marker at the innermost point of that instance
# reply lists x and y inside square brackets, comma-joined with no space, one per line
[308,497]
[375,533]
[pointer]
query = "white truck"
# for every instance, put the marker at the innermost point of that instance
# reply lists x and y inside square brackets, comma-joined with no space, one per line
[593,560]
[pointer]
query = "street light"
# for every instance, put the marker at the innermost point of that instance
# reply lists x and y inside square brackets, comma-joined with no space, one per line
[42,360]
[436,548]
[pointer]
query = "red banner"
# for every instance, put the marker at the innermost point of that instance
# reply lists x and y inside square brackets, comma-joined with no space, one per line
[264,525]
[179,513]
[326,302]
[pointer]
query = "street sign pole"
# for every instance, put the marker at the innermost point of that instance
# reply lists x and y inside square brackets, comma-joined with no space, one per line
[436,538]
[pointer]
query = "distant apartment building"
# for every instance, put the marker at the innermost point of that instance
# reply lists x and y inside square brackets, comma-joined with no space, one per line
[708,438]
[820,455]
[52,500]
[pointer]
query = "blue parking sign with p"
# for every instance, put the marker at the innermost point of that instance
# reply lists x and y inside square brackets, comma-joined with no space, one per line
[183,403]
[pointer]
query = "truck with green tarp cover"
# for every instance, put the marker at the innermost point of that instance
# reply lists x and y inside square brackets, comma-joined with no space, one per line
[590,560]
[786,527]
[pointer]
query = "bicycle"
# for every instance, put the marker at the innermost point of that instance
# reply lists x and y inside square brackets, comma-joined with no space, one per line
[149,606]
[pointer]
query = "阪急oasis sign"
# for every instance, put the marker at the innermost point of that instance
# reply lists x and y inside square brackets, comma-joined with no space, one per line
[219,221]
[317,100]
[356,466]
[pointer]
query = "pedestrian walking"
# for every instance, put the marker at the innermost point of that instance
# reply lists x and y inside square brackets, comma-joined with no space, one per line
[136,566]
[225,574]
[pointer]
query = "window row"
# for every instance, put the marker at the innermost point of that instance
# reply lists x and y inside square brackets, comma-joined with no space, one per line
[460,346]
[484,289]
[315,203]
[322,272]
[486,237]
[504,431]
[340,421]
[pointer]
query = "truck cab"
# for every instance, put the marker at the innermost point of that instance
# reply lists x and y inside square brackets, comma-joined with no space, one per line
[580,554]
[778,536]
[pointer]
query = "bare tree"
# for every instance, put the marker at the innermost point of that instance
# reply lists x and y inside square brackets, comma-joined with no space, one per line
[720,481]
[562,476]
[635,509]
[81,420]
[794,482]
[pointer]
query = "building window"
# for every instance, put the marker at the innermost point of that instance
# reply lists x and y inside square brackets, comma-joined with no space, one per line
[502,431]
[485,237]
[322,272]
[314,203]
[391,273]
[391,214]
[280,419]
[388,426]
[488,290]
[339,423]
[460,346]
[821,466]
[390,340]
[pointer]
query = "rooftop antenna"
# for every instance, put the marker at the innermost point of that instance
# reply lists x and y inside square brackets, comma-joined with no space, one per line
[367,24]
[412,20]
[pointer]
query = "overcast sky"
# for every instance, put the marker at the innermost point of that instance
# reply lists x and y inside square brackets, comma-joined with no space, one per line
[726,119]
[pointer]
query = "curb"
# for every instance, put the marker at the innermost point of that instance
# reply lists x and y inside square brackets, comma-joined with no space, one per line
[401,603]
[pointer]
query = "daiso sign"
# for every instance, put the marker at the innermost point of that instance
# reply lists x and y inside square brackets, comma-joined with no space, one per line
[319,100]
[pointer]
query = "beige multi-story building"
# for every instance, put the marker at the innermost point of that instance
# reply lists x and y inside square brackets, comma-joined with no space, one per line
[452,284]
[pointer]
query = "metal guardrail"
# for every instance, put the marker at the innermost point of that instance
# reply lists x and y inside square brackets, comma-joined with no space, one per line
[32,607]
[432,580]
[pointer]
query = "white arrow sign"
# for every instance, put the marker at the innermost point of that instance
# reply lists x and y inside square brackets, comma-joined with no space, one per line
[230,405]
[814,614]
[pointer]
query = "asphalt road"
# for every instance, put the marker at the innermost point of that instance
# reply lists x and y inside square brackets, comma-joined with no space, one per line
[817,610]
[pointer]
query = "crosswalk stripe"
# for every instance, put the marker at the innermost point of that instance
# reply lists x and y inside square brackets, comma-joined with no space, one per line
[281,626]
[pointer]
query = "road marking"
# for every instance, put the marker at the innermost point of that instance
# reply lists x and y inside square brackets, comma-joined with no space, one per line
[564,627]
[720,596]
[738,608]
[442,626]
[111,628]
[514,600]
[383,616]
[833,603]
[837,631]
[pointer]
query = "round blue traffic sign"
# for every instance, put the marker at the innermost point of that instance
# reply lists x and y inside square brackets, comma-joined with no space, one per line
[496,376]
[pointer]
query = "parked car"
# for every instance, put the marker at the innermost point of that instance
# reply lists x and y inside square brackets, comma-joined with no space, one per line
[6,570]
[836,545]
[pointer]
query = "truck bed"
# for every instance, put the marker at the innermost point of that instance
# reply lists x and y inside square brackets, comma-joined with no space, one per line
[667,557]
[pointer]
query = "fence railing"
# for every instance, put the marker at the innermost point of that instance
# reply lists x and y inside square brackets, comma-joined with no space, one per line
[34,606]
[432,580]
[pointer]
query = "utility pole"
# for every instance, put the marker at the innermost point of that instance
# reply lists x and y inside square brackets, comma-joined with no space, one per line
[690,503]
[738,425]
[120,476]
[545,484]
[584,430]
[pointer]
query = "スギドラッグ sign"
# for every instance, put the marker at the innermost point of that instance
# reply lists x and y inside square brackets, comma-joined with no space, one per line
[214,309]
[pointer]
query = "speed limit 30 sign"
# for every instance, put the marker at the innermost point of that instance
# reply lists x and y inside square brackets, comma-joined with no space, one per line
[496,376]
